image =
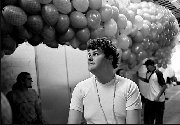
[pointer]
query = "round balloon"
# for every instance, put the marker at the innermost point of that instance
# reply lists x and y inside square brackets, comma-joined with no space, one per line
[30,6]
[110,28]
[95,4]
[67,36]
[50,14]
[124,41]
[14,15]
[93,19]
[106,13]
[35,24]
[83,35]
[80,5]
[45,1]
[121,21]
[78,19]
[97,33]
[63,23]
[63,6]
[126,54]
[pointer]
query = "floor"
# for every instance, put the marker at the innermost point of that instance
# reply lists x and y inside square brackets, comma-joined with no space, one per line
[172,106]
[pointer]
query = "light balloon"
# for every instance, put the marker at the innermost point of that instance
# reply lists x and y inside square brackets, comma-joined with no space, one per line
[110,28]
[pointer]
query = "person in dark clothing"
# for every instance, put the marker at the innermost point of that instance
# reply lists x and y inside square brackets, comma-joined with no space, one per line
[155,102]
[24,101]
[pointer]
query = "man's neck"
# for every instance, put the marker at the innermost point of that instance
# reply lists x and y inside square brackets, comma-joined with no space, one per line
[105,77]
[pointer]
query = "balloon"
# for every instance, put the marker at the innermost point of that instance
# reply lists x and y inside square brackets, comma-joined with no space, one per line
[144,4]
[83,35]
[138,21]
[145,30]
[21,32]
[132,58]
[139,12]
[159,28]
[63,6]
[115,42]
[97,33]
[74,43]
[83,46]
[131,15]
[126,54]
[35,24]
[95,4]
[115,13]
[138,37]
[8,45]
[6,28]
[106,13]
[124,41]
[128,28]
[48,33]
[146,16]
[50,14]
[80,5]
[123,10]
[136,48]
[147,22]
[145,43]
[63,23]
[134,31]
[51,44]
[45,1]
[14,15]
[93,19]
[78,20]
[30,6]
[6,110]
[9,2]
[35,40]
[67,36]
[119,51]
[110,28]
[121,21]
[142,55]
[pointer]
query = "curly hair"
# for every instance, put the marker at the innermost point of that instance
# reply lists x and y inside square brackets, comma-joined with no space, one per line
[107,47]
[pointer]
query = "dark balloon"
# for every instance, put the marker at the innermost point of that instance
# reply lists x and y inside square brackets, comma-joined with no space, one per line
[62,23]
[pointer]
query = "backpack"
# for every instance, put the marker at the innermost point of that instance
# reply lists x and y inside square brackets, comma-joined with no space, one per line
[160,77]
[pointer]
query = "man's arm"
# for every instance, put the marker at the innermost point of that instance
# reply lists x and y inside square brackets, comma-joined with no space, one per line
[161,92]
[141,78]
[74,117]
[133,116]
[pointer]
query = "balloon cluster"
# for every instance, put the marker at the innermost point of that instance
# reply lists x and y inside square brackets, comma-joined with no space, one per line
[145,30]
[139,30]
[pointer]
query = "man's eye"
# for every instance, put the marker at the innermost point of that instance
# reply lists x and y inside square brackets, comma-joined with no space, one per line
[95,54]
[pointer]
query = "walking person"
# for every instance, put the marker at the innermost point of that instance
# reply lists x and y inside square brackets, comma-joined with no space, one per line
[155,99]
[105,98]
[24,101]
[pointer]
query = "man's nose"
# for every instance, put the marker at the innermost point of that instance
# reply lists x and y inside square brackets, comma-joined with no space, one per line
[90,58]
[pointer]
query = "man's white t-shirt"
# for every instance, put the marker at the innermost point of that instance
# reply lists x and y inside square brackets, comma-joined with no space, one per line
[85,98]
[154,89]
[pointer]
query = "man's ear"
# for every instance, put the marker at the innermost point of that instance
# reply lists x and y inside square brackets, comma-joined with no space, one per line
[110,58]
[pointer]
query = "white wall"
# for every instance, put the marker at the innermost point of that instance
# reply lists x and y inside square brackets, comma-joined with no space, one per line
[22,60]
[59,70]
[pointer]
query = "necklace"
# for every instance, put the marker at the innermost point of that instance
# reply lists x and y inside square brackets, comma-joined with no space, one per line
[99,100]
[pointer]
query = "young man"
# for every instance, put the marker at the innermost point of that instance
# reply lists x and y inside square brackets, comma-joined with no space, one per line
[105,98]
[155,100]
[24,101]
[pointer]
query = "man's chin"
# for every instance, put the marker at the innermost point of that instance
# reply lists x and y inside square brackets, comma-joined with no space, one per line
[92,70]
